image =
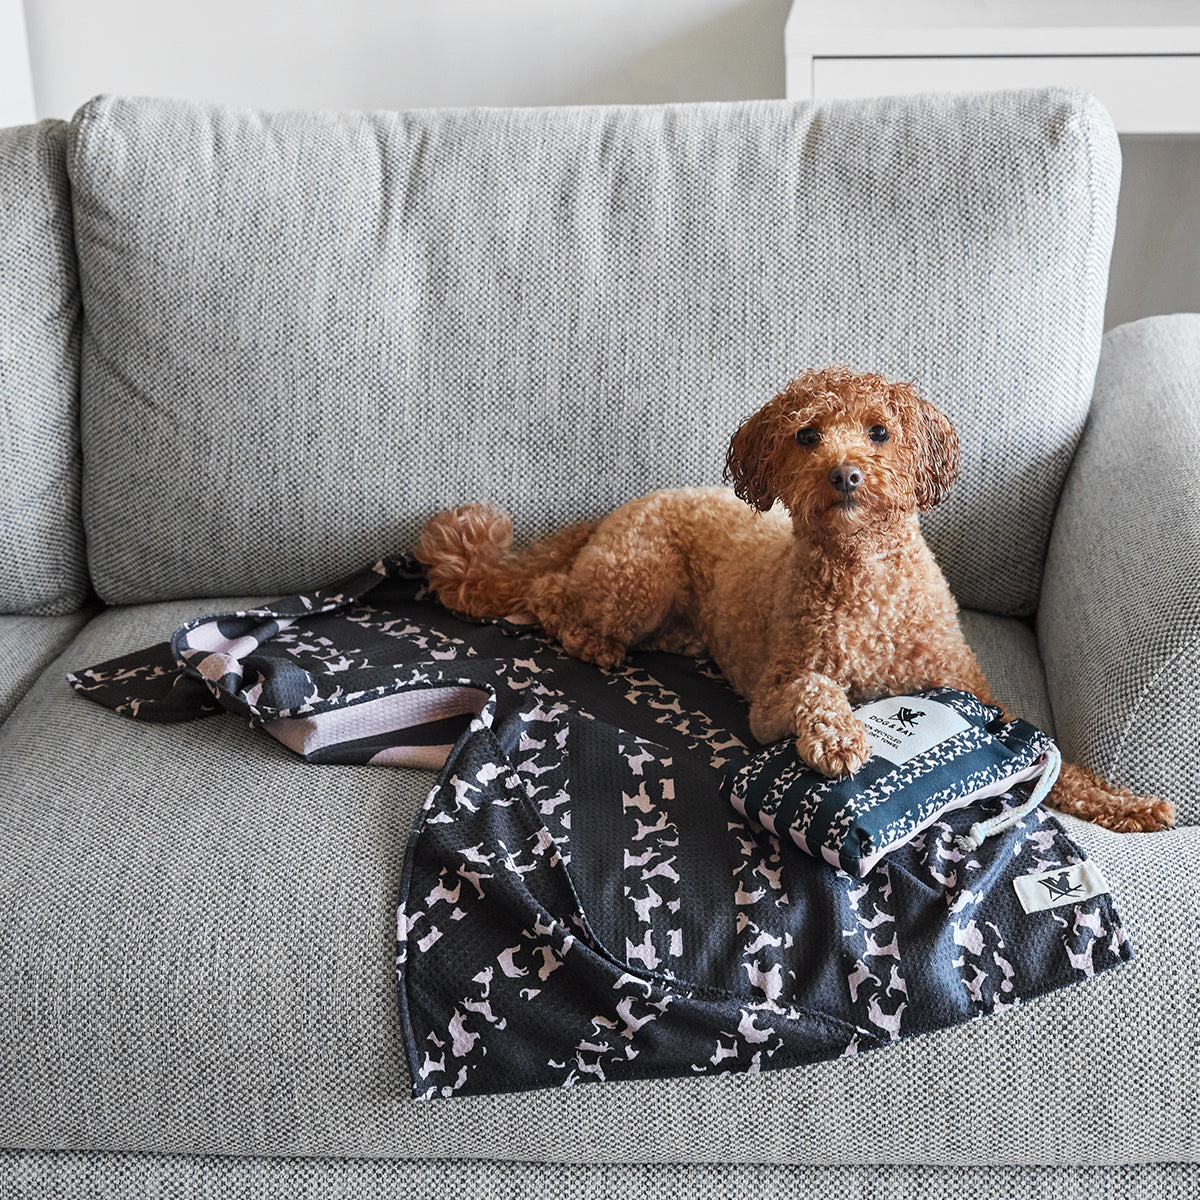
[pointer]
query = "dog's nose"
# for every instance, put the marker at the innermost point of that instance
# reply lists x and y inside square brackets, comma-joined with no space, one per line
[846,477]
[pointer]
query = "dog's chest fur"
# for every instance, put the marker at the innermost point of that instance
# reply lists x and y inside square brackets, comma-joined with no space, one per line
[879,620]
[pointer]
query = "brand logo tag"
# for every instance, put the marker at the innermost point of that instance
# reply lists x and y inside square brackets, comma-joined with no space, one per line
[1063,885]
[901,728]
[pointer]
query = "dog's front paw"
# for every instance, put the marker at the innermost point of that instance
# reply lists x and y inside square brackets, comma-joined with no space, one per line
[833,743]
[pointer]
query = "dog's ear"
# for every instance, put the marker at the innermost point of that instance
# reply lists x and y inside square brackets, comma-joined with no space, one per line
[937,448]
[750,464]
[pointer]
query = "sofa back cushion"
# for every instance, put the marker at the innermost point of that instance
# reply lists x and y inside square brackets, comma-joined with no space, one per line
[307,332]
[42,567]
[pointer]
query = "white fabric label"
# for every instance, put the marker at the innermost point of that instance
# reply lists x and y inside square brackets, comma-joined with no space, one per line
[1063,885]
[902,727]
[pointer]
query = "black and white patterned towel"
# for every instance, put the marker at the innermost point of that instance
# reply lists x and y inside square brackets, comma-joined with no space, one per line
[579,902]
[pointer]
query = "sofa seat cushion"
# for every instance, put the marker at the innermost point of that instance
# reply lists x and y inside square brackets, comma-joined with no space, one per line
[198,957]
[1007,650]
[27,645]
[32,1175]
[308,331]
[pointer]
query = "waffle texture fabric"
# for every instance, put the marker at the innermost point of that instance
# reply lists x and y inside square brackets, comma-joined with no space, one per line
[660,923]
[185,972]
[307,332]
[1119,625]
[42,567]
[33,1176]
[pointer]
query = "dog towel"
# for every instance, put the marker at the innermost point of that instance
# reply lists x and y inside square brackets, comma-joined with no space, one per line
[931,752]
[579,902]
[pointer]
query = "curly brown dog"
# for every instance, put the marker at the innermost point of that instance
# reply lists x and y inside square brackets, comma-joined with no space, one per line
[809,583]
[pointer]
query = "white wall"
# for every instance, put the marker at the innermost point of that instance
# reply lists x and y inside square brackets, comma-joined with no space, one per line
[1156,253]
[16,86]
[412,53]
[406,53]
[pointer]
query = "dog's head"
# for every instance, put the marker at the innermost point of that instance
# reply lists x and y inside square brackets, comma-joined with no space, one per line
[844,450]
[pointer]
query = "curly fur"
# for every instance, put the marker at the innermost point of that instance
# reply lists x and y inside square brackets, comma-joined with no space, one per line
[810,598]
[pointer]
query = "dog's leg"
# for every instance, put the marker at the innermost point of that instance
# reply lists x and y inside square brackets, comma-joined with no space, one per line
[563,612]
[617,593]
[1083,793]
[815,709]
[1089,796]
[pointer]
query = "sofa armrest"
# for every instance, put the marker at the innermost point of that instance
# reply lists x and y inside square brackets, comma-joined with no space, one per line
[1119,620]
[43,563]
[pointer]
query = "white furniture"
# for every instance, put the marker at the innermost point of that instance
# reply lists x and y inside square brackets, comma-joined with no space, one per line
[1140,57]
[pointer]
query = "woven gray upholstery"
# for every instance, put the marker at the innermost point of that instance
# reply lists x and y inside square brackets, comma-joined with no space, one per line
[1007,650]
[27,646]
[42,568]
[198,960]
[1120,618]
[33,1176]
[308,331]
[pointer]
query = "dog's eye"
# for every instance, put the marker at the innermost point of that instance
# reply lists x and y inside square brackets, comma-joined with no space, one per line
[877,433]
[808,436]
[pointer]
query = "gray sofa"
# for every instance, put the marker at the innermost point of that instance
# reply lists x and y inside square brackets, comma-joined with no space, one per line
[243,353]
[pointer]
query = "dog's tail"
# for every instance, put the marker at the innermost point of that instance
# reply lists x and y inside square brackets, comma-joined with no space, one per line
[471,565]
